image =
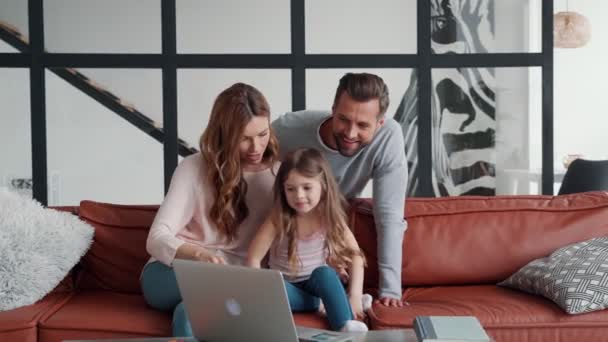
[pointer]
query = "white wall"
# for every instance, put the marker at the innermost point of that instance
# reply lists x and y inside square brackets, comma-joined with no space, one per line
[233,26]
[15,126]
[360,26]
[4,47]
[14,12]
[197,89]
[513,89]
[581,117]
[94,154]
[111,26]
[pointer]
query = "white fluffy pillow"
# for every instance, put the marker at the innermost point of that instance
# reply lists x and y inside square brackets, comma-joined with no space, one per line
[38,247]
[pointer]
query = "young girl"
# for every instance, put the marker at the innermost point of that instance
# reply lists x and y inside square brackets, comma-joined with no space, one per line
[307,230]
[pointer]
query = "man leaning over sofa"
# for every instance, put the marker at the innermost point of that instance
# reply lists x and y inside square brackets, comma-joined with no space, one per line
[360,143]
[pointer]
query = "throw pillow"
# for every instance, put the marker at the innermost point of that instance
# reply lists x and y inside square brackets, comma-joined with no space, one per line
[38,247]
[575,277]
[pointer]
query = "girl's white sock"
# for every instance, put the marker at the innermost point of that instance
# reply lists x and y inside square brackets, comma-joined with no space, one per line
[354,326]
[322,309]
[366,301]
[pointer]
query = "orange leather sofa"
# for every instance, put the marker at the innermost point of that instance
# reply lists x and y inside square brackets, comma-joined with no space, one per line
[455,251]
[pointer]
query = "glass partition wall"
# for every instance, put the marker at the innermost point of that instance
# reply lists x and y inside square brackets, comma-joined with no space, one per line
[110,96]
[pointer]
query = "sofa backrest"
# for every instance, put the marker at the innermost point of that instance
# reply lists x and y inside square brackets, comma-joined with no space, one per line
[476,240]
[67,284]
[118,253]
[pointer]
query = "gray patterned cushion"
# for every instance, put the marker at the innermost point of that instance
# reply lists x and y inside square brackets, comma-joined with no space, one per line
[575,277]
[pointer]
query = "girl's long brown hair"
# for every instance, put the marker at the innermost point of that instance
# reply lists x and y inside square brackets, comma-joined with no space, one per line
[310,163]
[219,145]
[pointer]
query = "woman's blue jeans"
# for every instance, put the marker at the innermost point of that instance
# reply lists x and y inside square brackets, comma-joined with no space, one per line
[160,290]
[323,284]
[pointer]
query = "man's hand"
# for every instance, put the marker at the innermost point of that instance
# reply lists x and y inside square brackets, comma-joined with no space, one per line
[387,301]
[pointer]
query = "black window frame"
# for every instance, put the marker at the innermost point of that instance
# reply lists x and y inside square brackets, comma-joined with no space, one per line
[36,59]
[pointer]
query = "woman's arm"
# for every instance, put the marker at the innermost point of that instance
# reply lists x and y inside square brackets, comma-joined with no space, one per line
[174,213]
[190,251]
[261,243]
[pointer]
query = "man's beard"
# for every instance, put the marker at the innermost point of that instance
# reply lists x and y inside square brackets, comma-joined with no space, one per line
[345,152]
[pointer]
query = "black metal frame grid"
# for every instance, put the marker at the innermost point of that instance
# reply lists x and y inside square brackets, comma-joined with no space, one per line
[298,61]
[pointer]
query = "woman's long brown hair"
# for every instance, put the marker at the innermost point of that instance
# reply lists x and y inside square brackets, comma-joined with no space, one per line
[219,145]
[310,163]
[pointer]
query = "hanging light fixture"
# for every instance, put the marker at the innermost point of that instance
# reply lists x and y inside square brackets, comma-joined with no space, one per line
[570,29]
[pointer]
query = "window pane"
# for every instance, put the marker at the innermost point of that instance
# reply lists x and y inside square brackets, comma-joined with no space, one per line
[321,89]
[13,22]
[362,27]
[486,26]
[321,86]
[94,152]
[15,131]
[4,47]
[139,90]
[233,26]
[484,131]
[110,26]
[198,88]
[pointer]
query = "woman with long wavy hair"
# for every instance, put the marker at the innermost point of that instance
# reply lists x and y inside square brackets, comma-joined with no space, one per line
[217,198]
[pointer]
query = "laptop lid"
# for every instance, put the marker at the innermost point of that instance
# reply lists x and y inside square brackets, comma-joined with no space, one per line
[235,303]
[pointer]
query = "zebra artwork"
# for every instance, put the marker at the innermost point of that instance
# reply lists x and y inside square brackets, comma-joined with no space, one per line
[462,108]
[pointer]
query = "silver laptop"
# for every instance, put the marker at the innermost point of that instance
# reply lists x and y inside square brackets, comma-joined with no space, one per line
[234,303]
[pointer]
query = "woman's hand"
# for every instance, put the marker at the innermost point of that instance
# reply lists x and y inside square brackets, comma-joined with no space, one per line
[356,305]
[190,251]
[205,255]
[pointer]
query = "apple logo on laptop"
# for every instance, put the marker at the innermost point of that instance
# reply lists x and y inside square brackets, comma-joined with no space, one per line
[233,307]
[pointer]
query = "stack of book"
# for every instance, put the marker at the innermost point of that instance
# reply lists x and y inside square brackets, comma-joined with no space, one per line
[449,329]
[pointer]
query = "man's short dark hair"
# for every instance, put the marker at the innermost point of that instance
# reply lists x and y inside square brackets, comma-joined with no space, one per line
[363,87]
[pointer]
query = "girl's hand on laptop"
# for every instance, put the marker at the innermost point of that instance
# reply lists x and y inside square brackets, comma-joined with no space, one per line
[342,273]
[205,255]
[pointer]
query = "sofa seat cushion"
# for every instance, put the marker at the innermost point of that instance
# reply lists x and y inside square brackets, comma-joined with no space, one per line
[507,315]
[103,314]
[21,324]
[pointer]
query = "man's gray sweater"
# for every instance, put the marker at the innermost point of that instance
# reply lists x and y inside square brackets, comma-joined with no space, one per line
[383,161]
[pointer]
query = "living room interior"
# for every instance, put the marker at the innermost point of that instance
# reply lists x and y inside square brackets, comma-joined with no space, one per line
[102,100]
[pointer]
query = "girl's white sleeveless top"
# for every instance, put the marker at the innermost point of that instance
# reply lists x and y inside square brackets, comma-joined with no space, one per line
[311,253]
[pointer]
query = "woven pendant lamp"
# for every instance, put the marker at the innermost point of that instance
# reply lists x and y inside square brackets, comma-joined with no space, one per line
[570,29]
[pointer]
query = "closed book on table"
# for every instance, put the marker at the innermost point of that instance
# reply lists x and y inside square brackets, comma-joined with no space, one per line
[449,329]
